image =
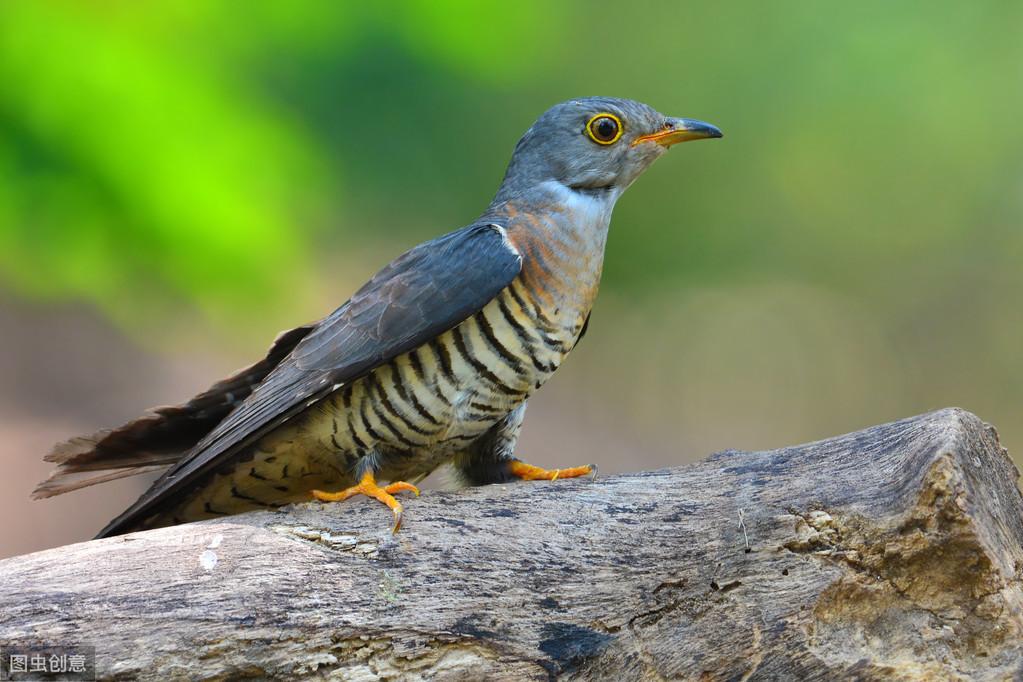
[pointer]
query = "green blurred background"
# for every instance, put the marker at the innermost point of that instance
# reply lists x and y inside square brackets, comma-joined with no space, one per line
[179,180]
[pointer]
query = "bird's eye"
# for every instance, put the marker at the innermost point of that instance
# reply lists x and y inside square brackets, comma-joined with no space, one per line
[604,128]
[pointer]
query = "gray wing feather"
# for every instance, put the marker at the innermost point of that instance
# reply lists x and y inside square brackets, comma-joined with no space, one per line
[418,296]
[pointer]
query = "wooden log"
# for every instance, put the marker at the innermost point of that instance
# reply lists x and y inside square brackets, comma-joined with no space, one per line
[893,552]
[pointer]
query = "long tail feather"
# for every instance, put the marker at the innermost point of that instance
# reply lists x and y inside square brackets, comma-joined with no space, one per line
[161,437]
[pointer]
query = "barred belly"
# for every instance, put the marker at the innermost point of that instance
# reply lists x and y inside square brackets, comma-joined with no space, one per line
[416,412]
[405,418]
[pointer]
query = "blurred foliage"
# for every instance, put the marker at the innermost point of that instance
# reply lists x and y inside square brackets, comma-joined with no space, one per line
[167,152]
[154,154]
[862,213]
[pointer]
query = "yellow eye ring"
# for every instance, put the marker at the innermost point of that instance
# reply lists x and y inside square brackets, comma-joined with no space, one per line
[605,128]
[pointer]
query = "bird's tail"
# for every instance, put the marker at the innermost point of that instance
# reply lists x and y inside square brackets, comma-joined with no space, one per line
[161,437]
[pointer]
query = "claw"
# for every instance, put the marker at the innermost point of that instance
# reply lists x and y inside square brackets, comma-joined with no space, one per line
[399,486]
[528,472]
[368,486]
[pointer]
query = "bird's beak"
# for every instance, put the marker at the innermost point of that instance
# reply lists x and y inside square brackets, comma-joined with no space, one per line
[680,130]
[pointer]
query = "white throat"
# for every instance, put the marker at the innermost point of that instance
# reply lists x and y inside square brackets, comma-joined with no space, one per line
[590,211]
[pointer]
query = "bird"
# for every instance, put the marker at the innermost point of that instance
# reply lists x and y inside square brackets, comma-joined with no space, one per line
[431,362]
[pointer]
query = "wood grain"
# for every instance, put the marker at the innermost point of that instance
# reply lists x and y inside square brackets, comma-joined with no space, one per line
[893,552]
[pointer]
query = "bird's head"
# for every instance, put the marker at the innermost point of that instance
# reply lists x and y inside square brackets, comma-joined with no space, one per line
[596,145]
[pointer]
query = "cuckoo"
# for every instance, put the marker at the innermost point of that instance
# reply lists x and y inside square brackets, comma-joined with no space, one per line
[431,362]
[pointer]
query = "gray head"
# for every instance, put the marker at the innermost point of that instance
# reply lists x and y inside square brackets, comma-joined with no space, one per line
[595,145]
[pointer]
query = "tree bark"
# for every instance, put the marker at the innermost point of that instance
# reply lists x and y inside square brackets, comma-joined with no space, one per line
[890,552]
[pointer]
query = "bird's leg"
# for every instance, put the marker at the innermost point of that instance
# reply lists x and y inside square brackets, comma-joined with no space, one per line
[489,459]
[528,472]
[367,486]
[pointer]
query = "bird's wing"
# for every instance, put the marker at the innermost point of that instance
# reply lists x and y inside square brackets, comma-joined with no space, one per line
[420,295]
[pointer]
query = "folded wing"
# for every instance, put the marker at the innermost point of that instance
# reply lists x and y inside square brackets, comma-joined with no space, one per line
[418,296]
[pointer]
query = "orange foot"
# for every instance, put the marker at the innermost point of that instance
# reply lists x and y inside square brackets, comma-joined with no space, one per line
[528,472]
[368,486]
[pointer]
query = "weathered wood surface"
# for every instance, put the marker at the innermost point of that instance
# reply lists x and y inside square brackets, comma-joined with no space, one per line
[894,552]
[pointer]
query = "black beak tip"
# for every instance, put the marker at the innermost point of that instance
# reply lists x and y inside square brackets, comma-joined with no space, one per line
[698,129]
[708,130]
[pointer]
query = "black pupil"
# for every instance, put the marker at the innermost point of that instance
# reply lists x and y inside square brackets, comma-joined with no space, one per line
[606,128]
